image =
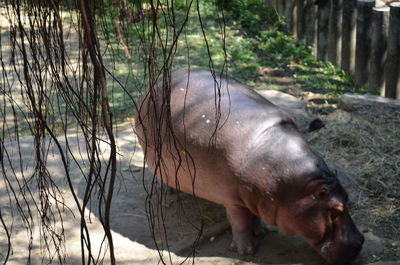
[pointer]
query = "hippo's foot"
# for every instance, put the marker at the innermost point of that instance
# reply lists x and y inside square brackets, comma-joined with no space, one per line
[243,243]
[244,226]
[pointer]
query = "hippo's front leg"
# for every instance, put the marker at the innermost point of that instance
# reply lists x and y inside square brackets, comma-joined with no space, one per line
[242,224]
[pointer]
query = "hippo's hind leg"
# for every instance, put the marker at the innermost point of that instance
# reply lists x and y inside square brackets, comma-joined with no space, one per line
[259,228]
[244,226]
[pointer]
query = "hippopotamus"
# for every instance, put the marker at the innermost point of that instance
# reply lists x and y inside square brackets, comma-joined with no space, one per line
[211,136]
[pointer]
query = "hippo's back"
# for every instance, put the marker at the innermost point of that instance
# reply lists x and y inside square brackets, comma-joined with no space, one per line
[203,107]
[207,135]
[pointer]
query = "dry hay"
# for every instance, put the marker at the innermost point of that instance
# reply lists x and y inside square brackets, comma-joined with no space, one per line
[366,143]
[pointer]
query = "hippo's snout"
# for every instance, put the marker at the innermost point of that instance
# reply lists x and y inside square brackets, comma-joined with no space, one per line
[355,245]
[345,244]
[358,244]
[344,253]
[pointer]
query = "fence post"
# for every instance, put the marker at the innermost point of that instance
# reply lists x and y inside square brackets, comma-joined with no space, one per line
[311,25]
[363,40]
[275,5]
[323,29]
[288,13]
[271,3]
[349,35]
[379,35]
[280,6]
[293,19]
[301,22]
[392,67]
[335,32]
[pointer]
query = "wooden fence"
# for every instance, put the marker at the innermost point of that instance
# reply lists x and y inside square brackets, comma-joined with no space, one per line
[354,35]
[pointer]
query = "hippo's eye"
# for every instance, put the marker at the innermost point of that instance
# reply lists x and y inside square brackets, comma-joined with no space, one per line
[323,195]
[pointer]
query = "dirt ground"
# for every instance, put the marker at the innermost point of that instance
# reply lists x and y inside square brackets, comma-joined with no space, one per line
[184,217]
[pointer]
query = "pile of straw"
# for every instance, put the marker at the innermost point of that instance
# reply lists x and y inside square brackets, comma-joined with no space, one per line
[366,143]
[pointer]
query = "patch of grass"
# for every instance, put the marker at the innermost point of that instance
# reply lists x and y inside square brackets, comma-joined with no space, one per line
[323,77]
[255,39]
[279,50]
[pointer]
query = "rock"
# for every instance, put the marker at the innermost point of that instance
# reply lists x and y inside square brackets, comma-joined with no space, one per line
[384,3]
[292,105]
[353,102]
[373,245]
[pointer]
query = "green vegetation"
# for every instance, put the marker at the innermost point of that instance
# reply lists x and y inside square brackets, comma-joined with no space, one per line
[255,39]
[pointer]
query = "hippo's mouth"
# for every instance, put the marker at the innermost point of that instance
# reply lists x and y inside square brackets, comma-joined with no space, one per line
[337,252]
[325,247]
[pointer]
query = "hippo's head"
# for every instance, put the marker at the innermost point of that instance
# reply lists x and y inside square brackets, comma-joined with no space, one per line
[320,215]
